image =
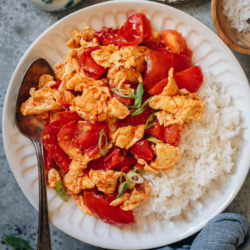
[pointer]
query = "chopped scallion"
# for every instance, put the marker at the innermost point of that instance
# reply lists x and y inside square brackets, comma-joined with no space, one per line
[61,191]
[134,177]
[155,140]
[140,171]
[16,242]
[148,123]
[141,108]
[105,151]
[122,189]
[131,94]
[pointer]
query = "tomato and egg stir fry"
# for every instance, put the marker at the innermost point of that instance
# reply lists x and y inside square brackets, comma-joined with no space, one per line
[114,112]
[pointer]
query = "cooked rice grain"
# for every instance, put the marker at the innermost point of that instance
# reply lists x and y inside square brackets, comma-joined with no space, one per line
[206,152]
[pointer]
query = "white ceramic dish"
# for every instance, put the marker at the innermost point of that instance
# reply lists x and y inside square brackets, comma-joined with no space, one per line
[149,232]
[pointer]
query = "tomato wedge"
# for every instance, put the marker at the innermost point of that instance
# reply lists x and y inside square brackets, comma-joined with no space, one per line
[158,88]
[107,162]
[173,40]
[88,64]
[142,150]
[109,214]
[181,62]
[88,140]
[49,140]
[48,159]
[136,29]
[107,36]
[190,79]
[66,138]
[172,134]
[68,116]
[128,161]
[56,84]
[157,131]
[157,68]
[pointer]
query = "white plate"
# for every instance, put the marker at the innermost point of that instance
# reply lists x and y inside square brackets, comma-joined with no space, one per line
[209,51]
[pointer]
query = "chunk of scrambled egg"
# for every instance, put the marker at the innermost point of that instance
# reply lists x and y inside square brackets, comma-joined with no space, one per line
[126,137]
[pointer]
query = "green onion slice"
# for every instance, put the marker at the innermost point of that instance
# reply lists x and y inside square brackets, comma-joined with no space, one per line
[139,171]
[105,151]
[148,123]
[16,242]
[131,94]
[141,108]
[122,188]
[155,140]
[134,177]
[61,191]
[139,93]
[131,184]
[120,179]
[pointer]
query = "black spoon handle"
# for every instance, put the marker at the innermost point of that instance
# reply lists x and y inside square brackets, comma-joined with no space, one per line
[44,242]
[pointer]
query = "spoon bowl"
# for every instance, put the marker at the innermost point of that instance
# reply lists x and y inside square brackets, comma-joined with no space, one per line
[238,41]
[32,128]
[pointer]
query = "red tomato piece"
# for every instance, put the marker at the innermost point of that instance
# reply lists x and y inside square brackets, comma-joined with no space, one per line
[125,170]
[128,161]
[107,162]
[88,64]
[109,214]
[181,62]
[135,120]
[123,100]
[190,79]
[172,134]
[49,140]
[66,138]
[158,88]
[157,131]
[136,29]
[48,159]
[173,40]
[107,36]
[138,165]
[109,197]
[56,85]
[68,116]
[89,140]
[142,150]
[157,68]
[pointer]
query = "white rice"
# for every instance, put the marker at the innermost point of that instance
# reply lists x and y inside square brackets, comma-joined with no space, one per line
[206,152]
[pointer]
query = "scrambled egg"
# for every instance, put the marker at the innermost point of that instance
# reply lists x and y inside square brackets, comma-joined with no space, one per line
[53,178]
[136,197]
[105,181]
[80,203]
[182,103]
[126,137]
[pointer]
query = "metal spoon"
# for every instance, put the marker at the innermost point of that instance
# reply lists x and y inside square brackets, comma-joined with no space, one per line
[32,128]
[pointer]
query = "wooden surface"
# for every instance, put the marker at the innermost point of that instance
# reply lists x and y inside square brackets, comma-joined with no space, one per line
[239,42]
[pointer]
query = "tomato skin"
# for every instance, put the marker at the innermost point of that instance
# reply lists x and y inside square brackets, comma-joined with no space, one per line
[107,162]
[190,79]
[107,36]
[121,99]
[135,120]
[49,140]
[172,134]
[68,116]
[48,159]
[173,40]
[134,30]
[181,62]
[158,88]
[56,85]
[88,64]
[157,68]
[66,138]
[142,150]
[109,214]
[157,131]
[89,140]
[128,161]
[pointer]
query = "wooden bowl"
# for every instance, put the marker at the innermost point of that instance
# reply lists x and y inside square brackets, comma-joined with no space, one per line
[236,40]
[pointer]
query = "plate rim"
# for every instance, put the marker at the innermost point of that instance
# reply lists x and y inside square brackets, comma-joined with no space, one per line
[11,83]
